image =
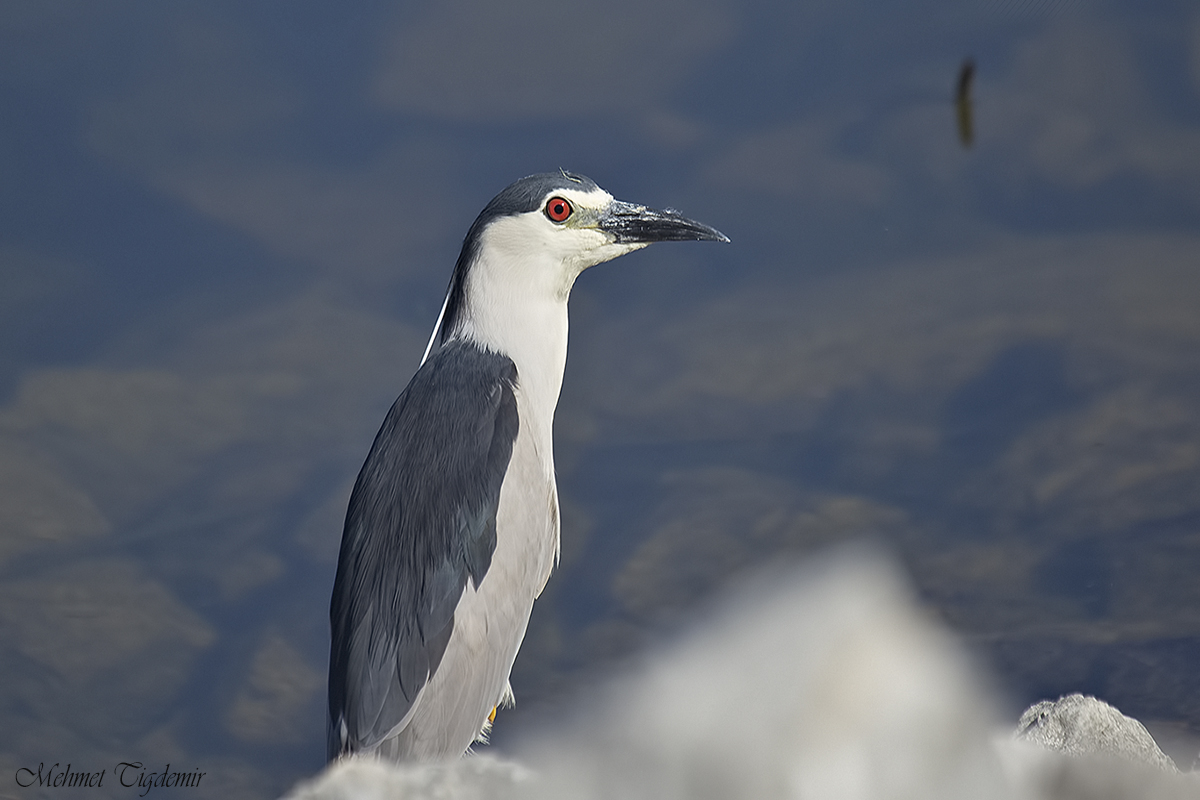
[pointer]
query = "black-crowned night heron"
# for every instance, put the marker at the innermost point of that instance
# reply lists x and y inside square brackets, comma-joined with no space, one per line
[453,523]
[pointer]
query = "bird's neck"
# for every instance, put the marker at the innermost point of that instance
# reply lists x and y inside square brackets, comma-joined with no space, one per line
[528,323]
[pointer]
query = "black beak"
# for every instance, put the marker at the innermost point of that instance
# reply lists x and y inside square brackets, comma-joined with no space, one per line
[631,224]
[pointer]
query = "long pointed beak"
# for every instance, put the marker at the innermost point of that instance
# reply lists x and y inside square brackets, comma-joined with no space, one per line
[633,224]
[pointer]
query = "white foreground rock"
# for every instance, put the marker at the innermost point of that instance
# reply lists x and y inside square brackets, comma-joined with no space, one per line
[1078,725]
[826,682]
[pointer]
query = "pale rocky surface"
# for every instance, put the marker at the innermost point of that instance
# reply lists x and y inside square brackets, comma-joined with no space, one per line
[1079,725]
[826,681]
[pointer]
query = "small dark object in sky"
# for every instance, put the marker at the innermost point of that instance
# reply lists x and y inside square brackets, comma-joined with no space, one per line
[962,103]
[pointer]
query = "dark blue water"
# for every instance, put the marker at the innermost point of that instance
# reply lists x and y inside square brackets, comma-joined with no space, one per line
[225,230]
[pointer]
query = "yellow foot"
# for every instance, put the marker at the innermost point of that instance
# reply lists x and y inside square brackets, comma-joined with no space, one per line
[492,716]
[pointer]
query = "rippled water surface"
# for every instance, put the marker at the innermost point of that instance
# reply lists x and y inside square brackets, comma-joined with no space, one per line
[964,323]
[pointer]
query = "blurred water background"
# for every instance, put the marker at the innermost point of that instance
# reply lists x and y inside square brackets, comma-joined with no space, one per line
[225,234]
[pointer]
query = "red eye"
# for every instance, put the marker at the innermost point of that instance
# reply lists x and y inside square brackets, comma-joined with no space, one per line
[558,209]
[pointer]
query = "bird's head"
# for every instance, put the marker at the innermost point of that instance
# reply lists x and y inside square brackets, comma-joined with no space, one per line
[535,238]
[571,220]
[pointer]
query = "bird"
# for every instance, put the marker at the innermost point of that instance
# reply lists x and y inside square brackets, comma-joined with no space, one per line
[452,528]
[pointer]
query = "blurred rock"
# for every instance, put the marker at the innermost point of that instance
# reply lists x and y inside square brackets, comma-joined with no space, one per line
[474,778]
[827,681]
[1039,774]
[819,682]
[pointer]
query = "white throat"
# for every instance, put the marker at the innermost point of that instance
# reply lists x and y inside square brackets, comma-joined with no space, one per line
[516,305]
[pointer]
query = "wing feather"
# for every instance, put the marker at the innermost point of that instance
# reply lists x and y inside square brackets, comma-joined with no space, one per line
[420,524]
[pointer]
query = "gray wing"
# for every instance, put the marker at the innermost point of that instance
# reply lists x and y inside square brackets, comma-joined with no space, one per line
[421,521]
